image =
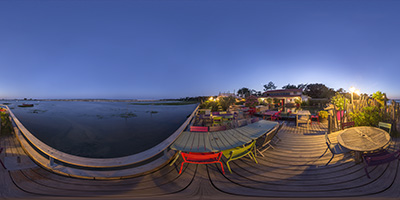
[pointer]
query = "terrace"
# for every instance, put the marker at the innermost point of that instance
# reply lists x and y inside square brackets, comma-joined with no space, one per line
[294,168]
[298,165]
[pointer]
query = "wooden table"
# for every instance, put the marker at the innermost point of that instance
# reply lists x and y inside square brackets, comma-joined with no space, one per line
[302,113]
[363,139]
[221,140]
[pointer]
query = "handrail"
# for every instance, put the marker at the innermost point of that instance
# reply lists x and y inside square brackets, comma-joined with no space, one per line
[99,162]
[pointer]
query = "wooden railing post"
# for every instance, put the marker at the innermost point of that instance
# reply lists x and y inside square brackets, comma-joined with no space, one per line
[329,124]
[51,162]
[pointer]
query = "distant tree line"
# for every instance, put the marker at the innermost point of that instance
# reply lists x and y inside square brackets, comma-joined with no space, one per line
[313,90]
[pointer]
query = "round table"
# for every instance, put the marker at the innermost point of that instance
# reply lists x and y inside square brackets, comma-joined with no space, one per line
[363,139]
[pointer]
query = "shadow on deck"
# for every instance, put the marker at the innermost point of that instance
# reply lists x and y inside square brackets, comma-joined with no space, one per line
[294,168]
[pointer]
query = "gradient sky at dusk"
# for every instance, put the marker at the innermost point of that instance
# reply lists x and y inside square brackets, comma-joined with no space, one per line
[148,49]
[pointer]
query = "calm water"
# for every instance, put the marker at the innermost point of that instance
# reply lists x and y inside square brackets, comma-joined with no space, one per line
[100,129]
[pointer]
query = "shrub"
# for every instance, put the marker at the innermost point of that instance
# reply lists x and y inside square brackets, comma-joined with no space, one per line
[305,103]
[369,116]
[338,100]
[6,127]
[251,101]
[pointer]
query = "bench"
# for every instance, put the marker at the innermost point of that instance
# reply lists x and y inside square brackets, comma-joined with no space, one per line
[201,158]
[379,158]
[198,129]
[347,125]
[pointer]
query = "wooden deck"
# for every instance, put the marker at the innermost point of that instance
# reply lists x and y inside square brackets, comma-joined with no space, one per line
[294,168]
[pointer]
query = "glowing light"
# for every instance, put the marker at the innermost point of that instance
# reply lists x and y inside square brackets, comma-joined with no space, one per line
[357,92]
[352,89]
[211,99]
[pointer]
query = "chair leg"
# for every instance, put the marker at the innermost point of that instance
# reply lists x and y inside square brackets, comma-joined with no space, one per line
[180,171]
[222,167]
[260,153]
[227,164]
[270,145]
[254,157]
[324,152]
[1,162]
[330,160]
[366,171]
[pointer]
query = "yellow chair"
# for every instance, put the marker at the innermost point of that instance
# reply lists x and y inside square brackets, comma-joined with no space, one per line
[385,126]
[217,120]
[239,152]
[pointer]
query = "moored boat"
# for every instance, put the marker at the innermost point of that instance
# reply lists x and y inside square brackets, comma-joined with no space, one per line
[25,105]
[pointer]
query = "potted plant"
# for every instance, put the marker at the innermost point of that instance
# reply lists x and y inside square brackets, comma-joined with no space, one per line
[323,116]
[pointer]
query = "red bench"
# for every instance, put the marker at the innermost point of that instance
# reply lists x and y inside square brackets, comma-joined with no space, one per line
[347,125]
[198,129]
[379,158]
[201,158]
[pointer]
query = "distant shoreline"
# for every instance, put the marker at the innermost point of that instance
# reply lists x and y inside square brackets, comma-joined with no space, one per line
[96,100]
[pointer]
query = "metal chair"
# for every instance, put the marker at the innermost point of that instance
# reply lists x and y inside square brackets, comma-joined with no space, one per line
[201,158]
[264,143]
[380,158]
[385,126]
[334,148]
[239,152]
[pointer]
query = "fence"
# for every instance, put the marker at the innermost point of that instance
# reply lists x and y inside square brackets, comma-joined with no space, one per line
[388,113]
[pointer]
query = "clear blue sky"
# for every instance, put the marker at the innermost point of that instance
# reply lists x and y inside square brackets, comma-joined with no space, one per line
[149,49]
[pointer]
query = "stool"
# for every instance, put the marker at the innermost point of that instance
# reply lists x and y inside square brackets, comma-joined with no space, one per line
[314,116]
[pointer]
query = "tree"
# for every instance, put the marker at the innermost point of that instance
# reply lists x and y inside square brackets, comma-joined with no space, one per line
[225,102]
[256,93]
[341,91]
[379,97]
[244,92]
[269,86]
[318,90]
[288,86]
[302,86]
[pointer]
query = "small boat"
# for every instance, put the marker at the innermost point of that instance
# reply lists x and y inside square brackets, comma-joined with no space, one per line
[25,105]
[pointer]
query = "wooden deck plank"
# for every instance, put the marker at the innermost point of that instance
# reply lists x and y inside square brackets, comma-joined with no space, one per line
[294,168]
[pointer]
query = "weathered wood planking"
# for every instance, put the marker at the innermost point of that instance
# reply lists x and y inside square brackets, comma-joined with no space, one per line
[281,173]
[363,138]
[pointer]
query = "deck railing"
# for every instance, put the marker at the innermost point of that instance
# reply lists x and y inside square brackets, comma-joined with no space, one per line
[77,166]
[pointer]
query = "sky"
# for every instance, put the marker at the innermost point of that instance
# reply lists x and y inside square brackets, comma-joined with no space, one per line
[154,49]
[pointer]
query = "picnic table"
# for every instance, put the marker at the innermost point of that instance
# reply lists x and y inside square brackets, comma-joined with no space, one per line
[363,139]
[221,140]
[302,113]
